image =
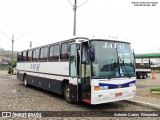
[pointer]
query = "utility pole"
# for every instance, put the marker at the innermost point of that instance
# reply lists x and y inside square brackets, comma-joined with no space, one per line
[12,54]
[74,24]
[30,44]
[12,40]
[75,14]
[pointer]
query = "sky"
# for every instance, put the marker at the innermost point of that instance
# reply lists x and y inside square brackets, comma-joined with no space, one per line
[48,21]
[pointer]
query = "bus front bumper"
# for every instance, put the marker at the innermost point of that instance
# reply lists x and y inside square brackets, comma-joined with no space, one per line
[112,95]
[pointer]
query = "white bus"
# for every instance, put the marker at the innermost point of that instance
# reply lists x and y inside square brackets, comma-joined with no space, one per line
[91,70]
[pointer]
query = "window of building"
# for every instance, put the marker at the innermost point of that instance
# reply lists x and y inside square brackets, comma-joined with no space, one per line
[44,54]
[65,51]
[35,54]
[54,52]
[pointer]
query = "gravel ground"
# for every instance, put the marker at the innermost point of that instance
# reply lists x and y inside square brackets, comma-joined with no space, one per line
[15,97]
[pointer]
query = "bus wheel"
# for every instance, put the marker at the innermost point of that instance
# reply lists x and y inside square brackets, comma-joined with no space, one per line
[144,76]
[141,76]
[67,93]
[25,81]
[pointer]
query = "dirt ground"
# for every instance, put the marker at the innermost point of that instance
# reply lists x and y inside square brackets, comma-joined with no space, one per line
[144,86]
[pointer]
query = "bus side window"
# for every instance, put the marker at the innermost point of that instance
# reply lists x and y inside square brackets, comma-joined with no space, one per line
[35,54]
[54,53]
[64,51]
[19,56]
[24,56]
[43,54]
[29,55]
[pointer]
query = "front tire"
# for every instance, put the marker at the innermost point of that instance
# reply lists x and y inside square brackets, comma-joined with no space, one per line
[67,93]
[141,76]
[25,82]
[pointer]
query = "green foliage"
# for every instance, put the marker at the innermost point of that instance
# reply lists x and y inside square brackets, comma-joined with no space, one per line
[9,70]
[3,67]
[155,89]
[14,63]
[8,66]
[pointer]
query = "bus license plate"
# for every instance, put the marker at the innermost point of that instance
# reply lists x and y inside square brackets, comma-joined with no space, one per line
[118,94]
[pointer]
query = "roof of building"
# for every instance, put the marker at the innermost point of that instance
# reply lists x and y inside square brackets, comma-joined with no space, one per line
[148,55]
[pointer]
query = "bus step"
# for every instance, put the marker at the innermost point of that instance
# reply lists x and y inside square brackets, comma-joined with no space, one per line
[88,95]
[87,100]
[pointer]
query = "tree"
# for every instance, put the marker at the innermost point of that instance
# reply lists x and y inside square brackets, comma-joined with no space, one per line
[14,63]
[10,70]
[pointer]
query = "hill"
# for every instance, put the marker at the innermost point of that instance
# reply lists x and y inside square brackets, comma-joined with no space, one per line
[1,49]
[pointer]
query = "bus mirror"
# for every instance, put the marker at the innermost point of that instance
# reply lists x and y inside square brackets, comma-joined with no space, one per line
[133,54]
[123,63]
[91,54]
[78,47]
[115,64]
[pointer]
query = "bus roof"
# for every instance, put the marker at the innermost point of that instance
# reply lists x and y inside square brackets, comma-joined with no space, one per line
[74,39]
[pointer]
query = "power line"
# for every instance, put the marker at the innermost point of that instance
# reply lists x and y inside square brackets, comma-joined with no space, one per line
[82,3]
[70,2]
[21,36]
[5,35]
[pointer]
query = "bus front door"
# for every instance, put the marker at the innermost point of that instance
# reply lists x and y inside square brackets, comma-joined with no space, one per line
[73,80]
[85,74]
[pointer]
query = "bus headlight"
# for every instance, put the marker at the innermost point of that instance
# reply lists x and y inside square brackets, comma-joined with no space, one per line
[105,87]
[100,88]
[132,85]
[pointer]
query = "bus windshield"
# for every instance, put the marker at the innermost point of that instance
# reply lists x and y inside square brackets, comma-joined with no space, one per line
[112,60]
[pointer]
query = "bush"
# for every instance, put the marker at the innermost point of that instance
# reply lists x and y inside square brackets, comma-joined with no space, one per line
[155,89]
[10,71]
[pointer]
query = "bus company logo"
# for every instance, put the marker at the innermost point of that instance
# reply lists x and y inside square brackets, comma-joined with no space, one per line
[119,86]
[114,45]
[35,66]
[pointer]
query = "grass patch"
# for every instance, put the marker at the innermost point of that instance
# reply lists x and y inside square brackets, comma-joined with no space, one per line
[155,89]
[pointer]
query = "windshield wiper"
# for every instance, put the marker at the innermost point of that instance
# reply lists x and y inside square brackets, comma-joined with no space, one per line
[116,66]
[111,76]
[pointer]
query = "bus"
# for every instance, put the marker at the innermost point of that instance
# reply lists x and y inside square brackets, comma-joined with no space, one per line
[85,69]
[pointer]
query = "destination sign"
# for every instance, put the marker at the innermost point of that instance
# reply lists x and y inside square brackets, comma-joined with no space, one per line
[114,45]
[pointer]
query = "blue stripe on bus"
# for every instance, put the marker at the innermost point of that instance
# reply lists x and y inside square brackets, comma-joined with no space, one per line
[116,85]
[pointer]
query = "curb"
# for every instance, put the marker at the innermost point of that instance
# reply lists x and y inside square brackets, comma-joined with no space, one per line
[144,104]
[155,92]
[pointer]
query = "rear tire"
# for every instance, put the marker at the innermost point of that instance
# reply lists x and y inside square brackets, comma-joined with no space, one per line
[67,93]
[144,75]
[25,82]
